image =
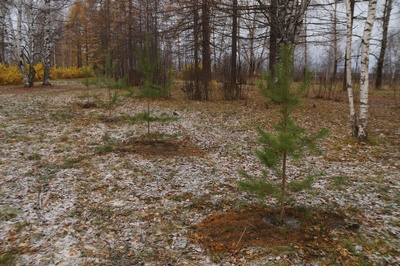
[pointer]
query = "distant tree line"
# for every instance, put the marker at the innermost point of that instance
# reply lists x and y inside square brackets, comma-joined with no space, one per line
[227,41]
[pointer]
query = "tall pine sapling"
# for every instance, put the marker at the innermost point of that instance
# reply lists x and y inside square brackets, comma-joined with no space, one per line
[106,80]
[290,139]
[88,73]
[150,90]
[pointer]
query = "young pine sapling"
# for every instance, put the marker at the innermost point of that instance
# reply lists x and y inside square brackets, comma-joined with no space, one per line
[106,80]
[150,90]
[289,140]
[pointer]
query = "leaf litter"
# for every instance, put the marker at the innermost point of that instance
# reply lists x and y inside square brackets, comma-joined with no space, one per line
[78,189]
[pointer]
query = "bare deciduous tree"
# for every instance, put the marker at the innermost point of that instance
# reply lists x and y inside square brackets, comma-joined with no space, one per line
[385,26]
[285,19]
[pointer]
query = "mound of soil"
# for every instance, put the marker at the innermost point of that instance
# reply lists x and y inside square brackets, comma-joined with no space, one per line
[233,230]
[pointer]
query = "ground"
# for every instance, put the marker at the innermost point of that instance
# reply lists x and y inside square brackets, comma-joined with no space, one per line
[81,185]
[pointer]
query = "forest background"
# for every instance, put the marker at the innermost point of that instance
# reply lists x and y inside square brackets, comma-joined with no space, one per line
[235,41]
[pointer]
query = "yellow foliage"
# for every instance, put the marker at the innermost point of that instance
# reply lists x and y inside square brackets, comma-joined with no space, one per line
[12,76]
[213,84]
[39,72]
[187,72]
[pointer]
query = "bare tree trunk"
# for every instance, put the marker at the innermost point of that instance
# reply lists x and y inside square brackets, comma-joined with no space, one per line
[273,40]
[197,90]
[285,21]
[364,86]
[349,24]
[335,44]
[206,32]
[20,53]
[233,87]
[393,78]
[2,32]
[31,45]
[396,58]
[349,86]
[47,56]
[385,26]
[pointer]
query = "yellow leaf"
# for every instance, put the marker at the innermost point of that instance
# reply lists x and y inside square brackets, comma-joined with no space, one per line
[219,247]
[344,252]
[89,252]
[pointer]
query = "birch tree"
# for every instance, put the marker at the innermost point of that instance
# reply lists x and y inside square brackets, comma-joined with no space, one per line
[364,83]
[22,39]
[31,15]
[4,7]
[359,126]
[47,52]
[17,43]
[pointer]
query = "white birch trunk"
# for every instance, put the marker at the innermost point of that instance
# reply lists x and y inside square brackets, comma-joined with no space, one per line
[31,44]
[20,52]
[364,82]
[396,58]
[47,62]
[349,86]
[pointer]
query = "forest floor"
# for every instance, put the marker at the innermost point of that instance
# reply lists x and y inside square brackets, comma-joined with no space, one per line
[79,185]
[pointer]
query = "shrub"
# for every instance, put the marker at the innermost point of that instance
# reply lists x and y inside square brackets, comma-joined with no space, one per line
[10,75]
[188,72]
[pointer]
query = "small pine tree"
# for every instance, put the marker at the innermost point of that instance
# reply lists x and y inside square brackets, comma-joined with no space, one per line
[87,74]
[290,139]
[150,90]
[106,80]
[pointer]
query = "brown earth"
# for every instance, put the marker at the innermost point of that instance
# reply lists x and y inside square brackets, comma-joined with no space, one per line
[234,230]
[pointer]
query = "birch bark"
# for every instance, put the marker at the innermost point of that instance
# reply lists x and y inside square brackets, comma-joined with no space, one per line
[364,82]
[31,44]
[3,10]
[46,76]
[20,52]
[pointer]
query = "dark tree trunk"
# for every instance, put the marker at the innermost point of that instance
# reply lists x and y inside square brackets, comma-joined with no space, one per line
[352,4]
[206,72]
[273,45]
[197,90]
[233,87]
[379,68]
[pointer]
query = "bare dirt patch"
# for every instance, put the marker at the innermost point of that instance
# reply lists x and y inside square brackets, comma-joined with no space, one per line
[243,229]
